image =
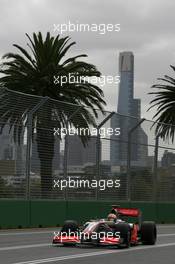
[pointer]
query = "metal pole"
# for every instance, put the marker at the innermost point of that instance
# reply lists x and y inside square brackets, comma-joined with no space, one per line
[155,168]
[28,147]
[65,160]
[98,150]
[129,158]
[98,158]
[28,150]
[66,147]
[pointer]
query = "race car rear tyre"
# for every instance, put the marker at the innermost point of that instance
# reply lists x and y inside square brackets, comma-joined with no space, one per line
[148,233]
[125,234]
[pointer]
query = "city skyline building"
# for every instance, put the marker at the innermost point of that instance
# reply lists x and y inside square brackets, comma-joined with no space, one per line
[168,159]
[80,155]
[129,114]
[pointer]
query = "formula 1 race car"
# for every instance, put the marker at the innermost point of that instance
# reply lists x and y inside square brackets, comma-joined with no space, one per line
[120,233]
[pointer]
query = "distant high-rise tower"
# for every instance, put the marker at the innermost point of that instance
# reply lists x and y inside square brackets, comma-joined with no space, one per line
[128,107]
[126,88]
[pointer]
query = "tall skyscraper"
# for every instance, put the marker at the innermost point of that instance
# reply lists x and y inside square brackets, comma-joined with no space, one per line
[126,88]
[129,110]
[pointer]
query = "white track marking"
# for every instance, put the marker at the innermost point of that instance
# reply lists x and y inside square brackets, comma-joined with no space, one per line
[51,231]
[28,233]
[25,246]
[50,244]
[98,253]
[164,235]
[166,226]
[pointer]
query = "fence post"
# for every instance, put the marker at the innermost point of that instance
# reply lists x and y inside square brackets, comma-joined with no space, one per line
[98,150]
[129,158]
[155,168]
[29,141]
[98,158]
[66,147]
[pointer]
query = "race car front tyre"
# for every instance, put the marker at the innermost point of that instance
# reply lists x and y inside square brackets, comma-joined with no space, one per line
[70,226]
[125,234]
[148,233]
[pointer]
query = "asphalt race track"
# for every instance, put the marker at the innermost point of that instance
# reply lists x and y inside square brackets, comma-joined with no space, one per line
[34,247]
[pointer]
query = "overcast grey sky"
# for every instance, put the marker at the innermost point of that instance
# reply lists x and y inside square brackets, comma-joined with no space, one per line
[147,29]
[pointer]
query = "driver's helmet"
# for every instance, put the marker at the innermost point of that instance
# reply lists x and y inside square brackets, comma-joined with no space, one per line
[112,217]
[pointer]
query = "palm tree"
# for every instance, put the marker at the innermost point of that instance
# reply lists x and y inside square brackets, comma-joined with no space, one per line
[32,73]
[164,102]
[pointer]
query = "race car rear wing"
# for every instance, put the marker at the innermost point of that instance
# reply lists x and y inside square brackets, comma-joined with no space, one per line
[130,212]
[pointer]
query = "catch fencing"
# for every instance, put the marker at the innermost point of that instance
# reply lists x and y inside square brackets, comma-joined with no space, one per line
[117,157]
